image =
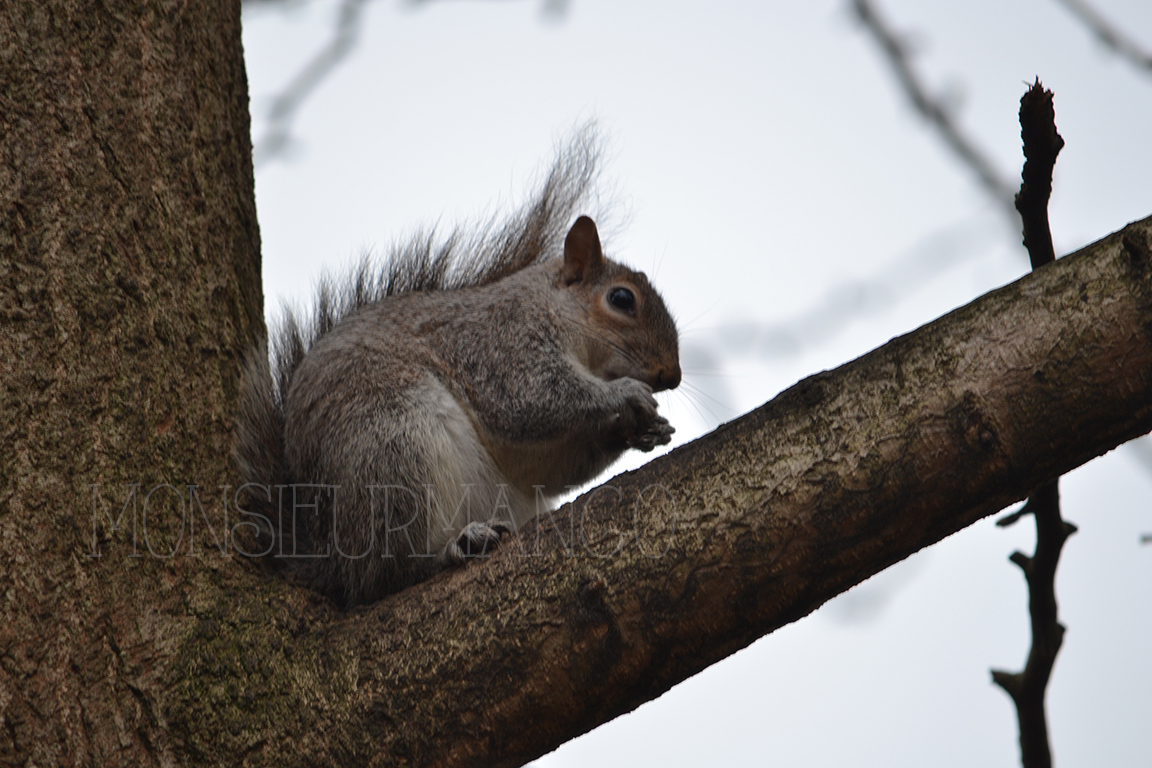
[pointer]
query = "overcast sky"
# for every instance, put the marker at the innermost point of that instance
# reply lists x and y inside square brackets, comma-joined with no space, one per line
[763,167]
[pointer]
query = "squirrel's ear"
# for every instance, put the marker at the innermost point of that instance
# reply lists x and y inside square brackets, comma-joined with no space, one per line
[582,254]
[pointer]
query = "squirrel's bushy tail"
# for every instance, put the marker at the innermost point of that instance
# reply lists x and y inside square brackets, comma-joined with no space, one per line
[259,446]
[465,258]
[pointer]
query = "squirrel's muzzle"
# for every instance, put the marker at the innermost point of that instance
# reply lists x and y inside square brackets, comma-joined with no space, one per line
[666,378]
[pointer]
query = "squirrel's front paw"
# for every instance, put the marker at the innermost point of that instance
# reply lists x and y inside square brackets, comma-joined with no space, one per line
[642,427]
[659,432]
[475,540]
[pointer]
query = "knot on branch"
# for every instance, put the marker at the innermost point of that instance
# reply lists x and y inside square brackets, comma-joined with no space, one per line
[1011,682]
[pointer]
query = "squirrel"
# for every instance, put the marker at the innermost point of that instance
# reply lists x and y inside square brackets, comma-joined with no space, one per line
[435,403]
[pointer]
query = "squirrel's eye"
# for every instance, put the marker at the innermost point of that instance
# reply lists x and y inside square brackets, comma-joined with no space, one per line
[622,298]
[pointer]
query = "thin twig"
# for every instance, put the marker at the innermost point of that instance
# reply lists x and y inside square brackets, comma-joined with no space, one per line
[1027,688]
[1109,35]
[934,110]
[1042,144]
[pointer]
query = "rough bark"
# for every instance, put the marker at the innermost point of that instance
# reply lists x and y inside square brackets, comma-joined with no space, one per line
[129,285]
[129,282]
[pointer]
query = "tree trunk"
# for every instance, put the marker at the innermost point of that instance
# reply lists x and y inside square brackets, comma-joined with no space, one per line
[133,633]
[129,284]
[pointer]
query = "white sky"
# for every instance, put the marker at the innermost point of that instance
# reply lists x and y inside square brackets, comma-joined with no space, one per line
[771,176]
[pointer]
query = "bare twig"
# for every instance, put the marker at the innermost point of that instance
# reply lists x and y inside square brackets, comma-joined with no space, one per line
[284,106]
[1027,688]
[934,109]
[1042,144]
[1109,35]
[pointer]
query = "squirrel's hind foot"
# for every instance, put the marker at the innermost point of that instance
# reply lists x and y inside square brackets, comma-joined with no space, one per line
[475,540]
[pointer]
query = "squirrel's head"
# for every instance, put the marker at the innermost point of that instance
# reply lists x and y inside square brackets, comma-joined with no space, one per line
[627,331]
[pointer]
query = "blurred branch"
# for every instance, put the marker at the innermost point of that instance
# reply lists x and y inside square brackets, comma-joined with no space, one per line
[1109,35]
[277,135]
[935,109]
[851,300]
[549,9]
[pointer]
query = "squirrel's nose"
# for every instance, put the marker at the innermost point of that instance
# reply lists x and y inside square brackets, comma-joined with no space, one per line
[667,378]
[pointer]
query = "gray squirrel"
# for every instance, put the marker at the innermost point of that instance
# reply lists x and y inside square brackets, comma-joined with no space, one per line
[444,399]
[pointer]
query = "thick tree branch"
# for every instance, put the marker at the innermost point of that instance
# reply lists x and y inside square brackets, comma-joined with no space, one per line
[648,580]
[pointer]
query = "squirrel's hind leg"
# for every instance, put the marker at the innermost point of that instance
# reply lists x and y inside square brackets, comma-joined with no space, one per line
[470,505]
